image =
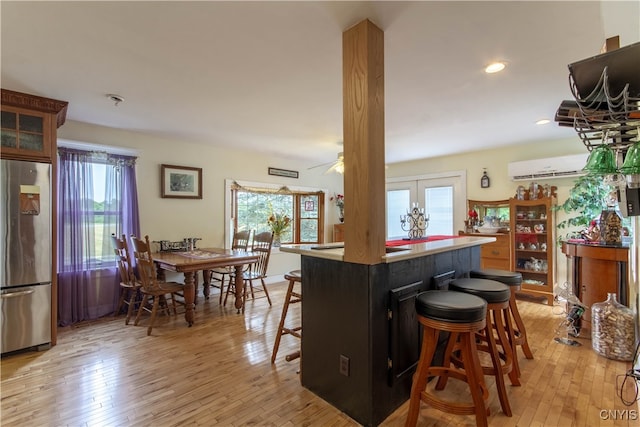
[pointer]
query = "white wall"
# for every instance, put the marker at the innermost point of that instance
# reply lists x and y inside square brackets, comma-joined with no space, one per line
[174,219]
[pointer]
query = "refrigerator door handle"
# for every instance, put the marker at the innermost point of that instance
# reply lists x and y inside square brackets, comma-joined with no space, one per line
[17,294]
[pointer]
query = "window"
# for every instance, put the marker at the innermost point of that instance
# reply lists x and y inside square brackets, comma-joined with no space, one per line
[97,196]
[251,206]
[93,204]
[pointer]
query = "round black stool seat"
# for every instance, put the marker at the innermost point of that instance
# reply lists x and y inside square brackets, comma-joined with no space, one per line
[489,290]
[510,278]
[450,306]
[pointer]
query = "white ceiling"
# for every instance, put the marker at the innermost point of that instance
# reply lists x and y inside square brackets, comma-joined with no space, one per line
[267,76]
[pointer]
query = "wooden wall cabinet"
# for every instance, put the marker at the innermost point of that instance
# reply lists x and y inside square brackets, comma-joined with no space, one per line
[29,126]
[532,242]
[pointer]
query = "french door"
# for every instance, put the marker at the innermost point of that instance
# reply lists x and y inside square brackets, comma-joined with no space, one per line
[443,197]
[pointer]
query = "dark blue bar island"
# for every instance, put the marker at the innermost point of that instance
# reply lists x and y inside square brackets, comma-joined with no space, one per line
[361,338]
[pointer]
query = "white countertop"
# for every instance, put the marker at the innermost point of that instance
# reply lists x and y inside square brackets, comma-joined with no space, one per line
[335,251]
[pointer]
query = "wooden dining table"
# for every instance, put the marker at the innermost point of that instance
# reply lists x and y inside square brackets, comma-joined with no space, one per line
[190,262]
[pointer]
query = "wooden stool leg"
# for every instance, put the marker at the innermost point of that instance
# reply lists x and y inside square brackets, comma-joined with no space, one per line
[475,377]
[520,331]
[507,340]
[451,348]
[429,342]
[497,370]
[285,308]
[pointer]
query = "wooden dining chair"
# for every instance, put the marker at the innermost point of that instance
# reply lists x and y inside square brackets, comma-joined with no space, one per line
[240,242]
[160,291]
[262,243]
[129,284]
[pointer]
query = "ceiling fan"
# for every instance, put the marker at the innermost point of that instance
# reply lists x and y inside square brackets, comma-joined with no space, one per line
[335,166]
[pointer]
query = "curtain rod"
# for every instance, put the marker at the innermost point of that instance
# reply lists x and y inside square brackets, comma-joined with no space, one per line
[87,146]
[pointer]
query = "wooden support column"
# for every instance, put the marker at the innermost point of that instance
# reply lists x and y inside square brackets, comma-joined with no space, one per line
[363,116]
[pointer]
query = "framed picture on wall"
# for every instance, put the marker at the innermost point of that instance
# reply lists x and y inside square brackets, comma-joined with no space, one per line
[180,182]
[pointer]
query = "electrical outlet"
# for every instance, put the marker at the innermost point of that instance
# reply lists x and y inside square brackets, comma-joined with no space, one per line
[344,365]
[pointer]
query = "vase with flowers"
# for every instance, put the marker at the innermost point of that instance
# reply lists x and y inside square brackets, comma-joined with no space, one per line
[338,199]
[279,223]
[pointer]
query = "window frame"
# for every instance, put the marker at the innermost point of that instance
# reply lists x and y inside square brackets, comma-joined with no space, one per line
[297,192]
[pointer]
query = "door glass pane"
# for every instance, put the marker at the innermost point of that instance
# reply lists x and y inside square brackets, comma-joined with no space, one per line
[30,141]
[439,206]
[30,123]
[398,201]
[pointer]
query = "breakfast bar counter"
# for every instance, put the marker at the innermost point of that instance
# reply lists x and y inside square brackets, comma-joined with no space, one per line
[361,338]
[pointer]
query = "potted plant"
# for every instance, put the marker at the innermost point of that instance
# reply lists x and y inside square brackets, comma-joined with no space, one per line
[278,222]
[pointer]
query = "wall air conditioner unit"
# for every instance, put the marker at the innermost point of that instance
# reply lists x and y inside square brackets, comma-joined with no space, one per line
[553,167]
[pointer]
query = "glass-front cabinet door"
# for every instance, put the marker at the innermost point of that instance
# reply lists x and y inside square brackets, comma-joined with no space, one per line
[532,228]
[26,133]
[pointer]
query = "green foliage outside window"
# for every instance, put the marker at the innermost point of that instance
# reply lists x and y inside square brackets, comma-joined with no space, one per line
[254,209]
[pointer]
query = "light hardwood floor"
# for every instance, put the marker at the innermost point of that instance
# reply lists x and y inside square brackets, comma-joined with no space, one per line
[218,372]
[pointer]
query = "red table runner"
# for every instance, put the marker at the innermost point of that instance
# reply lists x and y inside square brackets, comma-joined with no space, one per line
[425,240]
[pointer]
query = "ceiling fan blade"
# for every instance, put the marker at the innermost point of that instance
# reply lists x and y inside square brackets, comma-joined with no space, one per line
[319,166]
[334,166]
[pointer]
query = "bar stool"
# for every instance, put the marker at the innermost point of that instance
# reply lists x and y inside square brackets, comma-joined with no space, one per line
[292,297]
[497,296]
[519,335]
[462,315]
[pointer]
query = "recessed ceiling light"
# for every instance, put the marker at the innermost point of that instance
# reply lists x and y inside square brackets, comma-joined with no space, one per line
[495,67]
[543,121]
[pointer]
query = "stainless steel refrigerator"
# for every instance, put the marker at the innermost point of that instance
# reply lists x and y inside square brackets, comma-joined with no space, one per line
[25,250]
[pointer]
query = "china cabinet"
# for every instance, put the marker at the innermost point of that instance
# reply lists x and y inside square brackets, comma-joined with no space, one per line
[496,254]
[532,243]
